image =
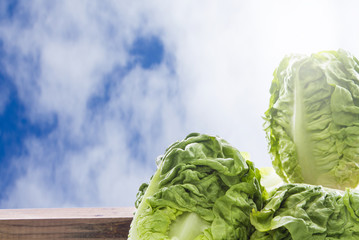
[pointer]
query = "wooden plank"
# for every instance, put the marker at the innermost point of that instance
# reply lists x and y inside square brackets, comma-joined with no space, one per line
[66,223]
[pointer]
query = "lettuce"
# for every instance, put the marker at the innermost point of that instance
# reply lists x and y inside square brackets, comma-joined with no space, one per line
[312,123]
[303,211]
[269,179]
[203,189]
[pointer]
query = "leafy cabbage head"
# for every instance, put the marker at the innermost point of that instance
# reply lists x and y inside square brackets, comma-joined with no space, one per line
[312,123]
[303,211]
[203,189]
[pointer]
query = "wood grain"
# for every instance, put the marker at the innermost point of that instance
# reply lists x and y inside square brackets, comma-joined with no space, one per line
[66,223]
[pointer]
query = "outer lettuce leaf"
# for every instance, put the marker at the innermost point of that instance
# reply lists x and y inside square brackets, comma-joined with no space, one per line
[203,189]
[312,123]
[303,211]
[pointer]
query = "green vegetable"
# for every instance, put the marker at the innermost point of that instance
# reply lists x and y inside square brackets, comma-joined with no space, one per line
[269,179]
[203,189]
[303,211]
[312,123]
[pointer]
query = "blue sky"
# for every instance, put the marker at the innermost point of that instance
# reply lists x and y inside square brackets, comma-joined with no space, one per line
[16,126]
[91,92]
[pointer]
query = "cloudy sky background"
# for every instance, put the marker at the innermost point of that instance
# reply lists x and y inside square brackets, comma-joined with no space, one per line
[91,92]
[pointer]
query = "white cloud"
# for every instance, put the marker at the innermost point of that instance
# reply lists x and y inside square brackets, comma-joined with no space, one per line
[222,56]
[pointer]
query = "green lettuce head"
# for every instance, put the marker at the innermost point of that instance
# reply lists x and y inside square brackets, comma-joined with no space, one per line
[306,212]
[312,123]
[203,189]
